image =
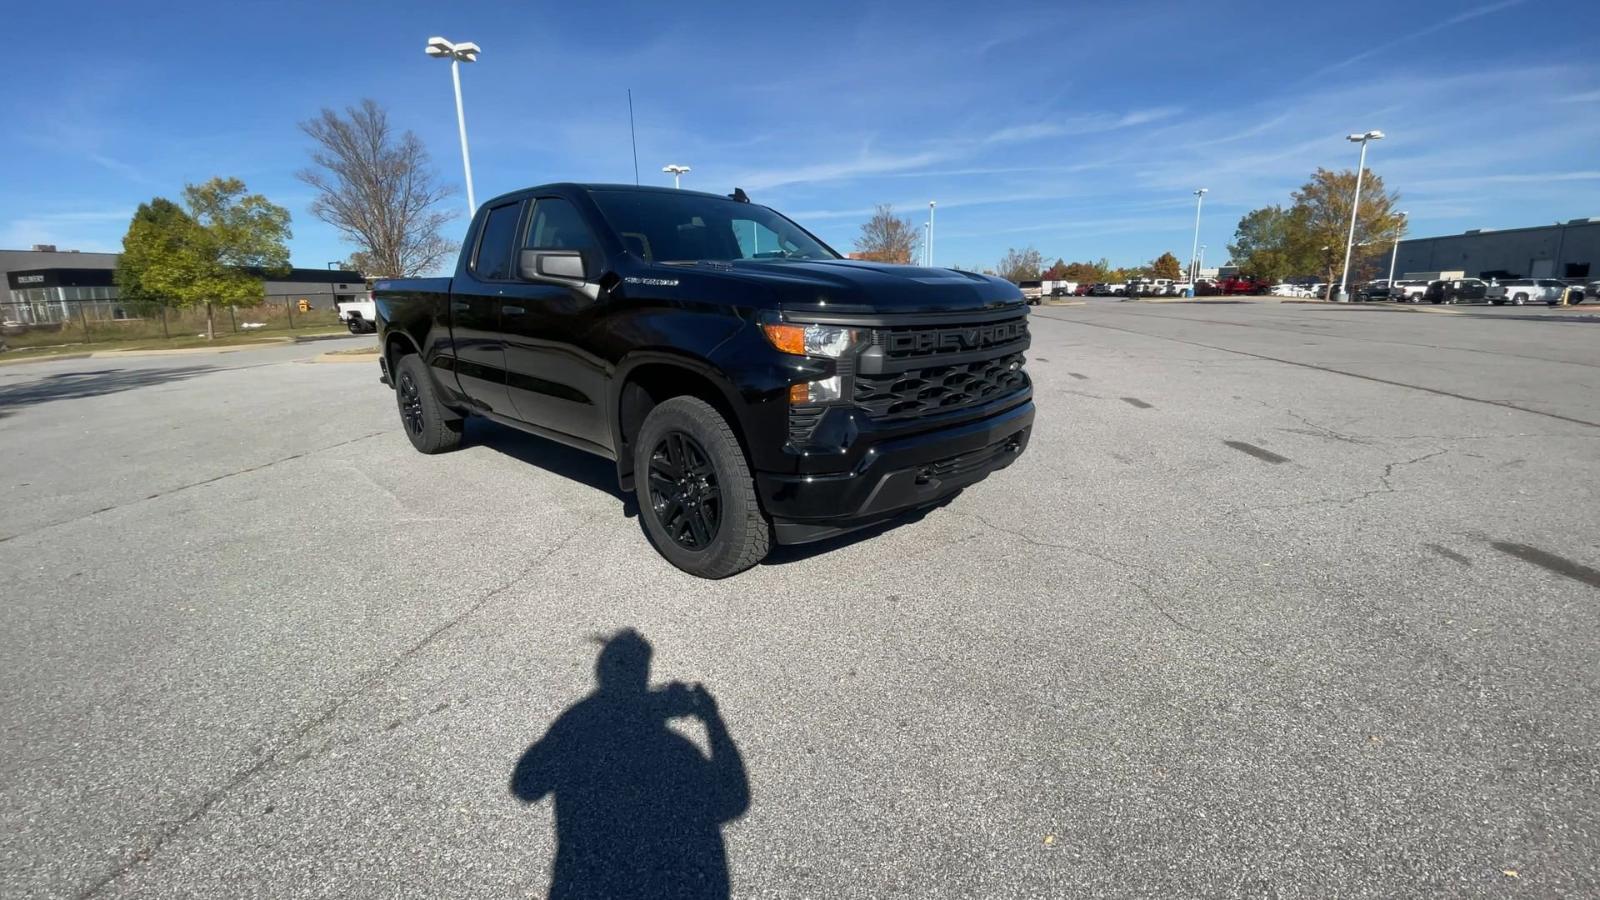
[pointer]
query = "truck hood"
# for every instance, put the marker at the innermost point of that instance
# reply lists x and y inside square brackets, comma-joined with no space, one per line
[857,286]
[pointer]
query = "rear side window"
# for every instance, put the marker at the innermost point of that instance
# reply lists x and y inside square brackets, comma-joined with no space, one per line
[494,247]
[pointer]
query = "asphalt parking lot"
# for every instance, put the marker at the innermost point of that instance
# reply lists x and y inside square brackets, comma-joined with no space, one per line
[1283,600]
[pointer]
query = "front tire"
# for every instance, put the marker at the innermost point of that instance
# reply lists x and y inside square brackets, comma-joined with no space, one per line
[697,498]
[1519,300]
[431,427]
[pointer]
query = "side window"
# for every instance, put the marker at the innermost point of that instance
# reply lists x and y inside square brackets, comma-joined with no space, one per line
[557,225]
[493,261]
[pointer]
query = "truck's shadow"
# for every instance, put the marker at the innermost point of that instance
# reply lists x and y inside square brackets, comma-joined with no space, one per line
[77,385]
[575,465]
[639,809]
[782,555]
[601,474]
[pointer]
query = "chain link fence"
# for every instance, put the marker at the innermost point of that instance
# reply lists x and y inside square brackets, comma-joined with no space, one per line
[44,322]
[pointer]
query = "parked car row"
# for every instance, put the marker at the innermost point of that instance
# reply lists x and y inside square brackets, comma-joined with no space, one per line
[1515,291]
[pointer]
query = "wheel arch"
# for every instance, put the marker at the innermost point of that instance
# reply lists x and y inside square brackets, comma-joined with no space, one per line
[647,378]
[396,344]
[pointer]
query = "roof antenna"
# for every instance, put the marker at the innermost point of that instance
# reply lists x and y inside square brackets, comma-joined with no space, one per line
[739,195]
[633,138]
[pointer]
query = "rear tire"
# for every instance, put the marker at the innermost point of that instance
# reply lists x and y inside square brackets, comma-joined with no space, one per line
[1519,300]
[431,427]
[697,498]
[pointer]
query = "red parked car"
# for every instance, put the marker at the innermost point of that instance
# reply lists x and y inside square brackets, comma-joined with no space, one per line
[1243,284]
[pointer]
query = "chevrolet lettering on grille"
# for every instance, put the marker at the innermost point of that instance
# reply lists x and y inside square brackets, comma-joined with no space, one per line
[975,338]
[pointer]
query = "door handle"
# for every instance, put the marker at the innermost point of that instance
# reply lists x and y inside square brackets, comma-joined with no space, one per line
[512,310]
[459,306]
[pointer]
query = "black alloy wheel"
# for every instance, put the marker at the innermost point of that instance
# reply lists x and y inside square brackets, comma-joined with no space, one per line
[410,404]
[684,492]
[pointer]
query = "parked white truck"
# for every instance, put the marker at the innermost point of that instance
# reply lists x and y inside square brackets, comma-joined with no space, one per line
[360,316]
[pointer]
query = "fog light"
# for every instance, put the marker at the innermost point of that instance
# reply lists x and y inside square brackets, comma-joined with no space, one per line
[824,391]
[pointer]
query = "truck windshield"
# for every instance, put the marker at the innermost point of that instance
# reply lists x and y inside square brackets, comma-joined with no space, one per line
[685,227]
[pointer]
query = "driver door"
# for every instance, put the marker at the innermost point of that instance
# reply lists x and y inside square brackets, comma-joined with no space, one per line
[555,379]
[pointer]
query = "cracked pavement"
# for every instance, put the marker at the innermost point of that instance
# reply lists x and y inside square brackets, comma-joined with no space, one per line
[254,645]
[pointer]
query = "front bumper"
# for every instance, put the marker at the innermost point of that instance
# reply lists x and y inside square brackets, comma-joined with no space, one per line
[894,476]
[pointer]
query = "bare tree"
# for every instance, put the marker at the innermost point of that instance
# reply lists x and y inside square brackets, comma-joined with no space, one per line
[1020,265]
[887,238]
[379,190]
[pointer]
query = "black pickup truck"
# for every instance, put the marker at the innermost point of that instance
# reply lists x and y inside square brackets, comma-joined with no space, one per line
[751,385]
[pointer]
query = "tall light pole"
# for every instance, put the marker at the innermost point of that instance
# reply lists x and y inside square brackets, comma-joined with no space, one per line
[927,244]
[1355,207]
[1395,253]
[676,171]
[439,48]
[1194,252]
[930,234]
[1200,262]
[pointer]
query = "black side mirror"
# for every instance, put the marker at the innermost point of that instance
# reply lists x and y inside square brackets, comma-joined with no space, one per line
[563,267]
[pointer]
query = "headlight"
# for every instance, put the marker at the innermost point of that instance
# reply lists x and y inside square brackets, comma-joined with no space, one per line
[810,340]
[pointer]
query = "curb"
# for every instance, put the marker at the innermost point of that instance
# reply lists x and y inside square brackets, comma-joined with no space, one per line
[176,351]
[46,358]
[346,357]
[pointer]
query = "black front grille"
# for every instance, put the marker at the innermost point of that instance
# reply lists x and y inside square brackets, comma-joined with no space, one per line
[957,466]
[931,341]
[935,389]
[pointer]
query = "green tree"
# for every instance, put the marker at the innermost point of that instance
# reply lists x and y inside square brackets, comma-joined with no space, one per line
[1020,265]
[1319,222]
[1270,243]
[156,258]
[238,238]
[1166,266]
[1088,272]
[1057,271]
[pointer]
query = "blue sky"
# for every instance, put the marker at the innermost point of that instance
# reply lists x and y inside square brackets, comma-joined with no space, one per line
[1079,129]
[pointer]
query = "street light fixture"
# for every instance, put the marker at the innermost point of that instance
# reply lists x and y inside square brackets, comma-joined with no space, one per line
[1194,252]
[439,48]
[1395,253]
[1355,207]
[676,171]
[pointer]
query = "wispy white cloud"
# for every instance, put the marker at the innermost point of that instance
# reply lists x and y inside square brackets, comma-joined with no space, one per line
[1507,178]
[117,166]
[865,163]
[1585,97]
[1030,132]
[1079,125]
[1476,12]
[93,230]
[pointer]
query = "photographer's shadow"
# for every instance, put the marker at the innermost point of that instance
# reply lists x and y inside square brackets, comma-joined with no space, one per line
[639,809]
